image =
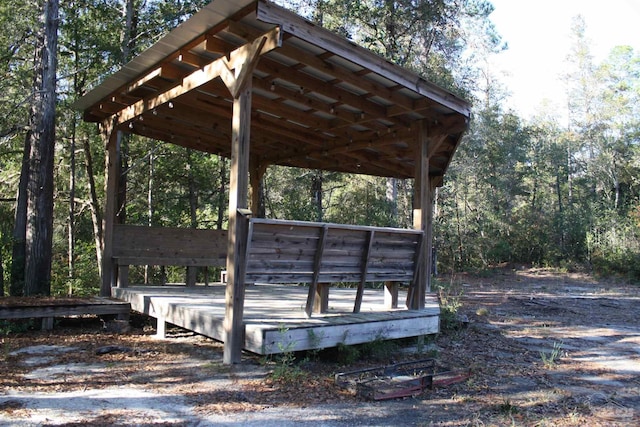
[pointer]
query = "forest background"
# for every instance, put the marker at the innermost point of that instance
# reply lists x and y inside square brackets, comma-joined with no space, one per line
[534,191]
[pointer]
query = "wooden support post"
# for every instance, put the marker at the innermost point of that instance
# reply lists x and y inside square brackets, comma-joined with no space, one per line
[47,323]
[428,241]
[238,227]
[191,276]
[363,271]
[123,276]
[243,62]
[317,262]
[321,300]
[161,328]
[109,268]
[421,218]
[391,295]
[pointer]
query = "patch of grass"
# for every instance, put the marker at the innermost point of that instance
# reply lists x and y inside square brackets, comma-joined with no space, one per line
[347,354]
[450,303]
[286,370]
[423,343]
[550,359]
[506,408]
[378,349]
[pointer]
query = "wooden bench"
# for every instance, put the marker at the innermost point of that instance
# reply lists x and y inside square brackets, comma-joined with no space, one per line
[319,254]
[285,252]
[189,247]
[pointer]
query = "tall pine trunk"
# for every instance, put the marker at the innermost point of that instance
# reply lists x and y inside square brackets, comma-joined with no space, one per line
[192,271]
[19,249]
[71,230]
[94,204]
[39,234]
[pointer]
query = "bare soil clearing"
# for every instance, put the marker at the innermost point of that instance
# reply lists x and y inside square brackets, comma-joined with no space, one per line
[544,348]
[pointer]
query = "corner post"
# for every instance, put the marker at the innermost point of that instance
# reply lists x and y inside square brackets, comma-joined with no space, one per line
[111,139]
[238,192]
[422,216]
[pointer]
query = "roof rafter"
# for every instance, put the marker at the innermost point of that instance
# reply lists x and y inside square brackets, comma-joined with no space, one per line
[200,77]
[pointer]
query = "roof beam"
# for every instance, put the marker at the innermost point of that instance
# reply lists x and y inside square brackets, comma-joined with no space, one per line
[273,39]
[308,83]
[320,63]
[299,27]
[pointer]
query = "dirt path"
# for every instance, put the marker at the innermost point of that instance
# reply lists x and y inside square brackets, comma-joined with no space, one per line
[544,349]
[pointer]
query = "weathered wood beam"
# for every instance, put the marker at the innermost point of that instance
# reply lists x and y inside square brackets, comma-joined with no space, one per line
[111,139]
[238,227]
[171,130]
[422,216]
[192,59]
[320,63]
[236,82]
[161,76]
[272,40]
[435,143]
[269,84]
[307,82]
[367,140]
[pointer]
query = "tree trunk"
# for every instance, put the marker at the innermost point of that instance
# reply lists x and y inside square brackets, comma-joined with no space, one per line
[18,255]
[192,272]
[1,275]
[317,193]
[127,45]
[39,235]
[560,212]
[94,204]
[148,269]
[72,208]
[392,200]
[221,193]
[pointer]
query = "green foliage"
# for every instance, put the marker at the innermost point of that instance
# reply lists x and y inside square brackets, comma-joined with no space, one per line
[286,370]
[347,354]
[449,295]
[8,327]
[380,349]
[507,408]
[550,359]
[614,246]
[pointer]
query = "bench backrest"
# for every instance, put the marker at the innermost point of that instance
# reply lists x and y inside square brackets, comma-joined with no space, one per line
[138,245]
[281,251]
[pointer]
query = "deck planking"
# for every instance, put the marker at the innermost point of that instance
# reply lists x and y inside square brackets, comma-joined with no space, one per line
[275,319]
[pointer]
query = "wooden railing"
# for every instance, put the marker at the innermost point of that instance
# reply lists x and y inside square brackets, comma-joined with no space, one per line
[281,251]
[137,245]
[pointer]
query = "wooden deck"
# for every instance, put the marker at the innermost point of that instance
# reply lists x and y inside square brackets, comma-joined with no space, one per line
[275,319]
[47,308]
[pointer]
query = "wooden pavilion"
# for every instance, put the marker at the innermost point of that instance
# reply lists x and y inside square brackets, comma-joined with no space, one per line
[248,80]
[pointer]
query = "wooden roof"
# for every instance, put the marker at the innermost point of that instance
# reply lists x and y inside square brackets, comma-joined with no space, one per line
[319,101]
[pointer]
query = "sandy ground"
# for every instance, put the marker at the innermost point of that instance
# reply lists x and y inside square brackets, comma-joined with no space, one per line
[544,349]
